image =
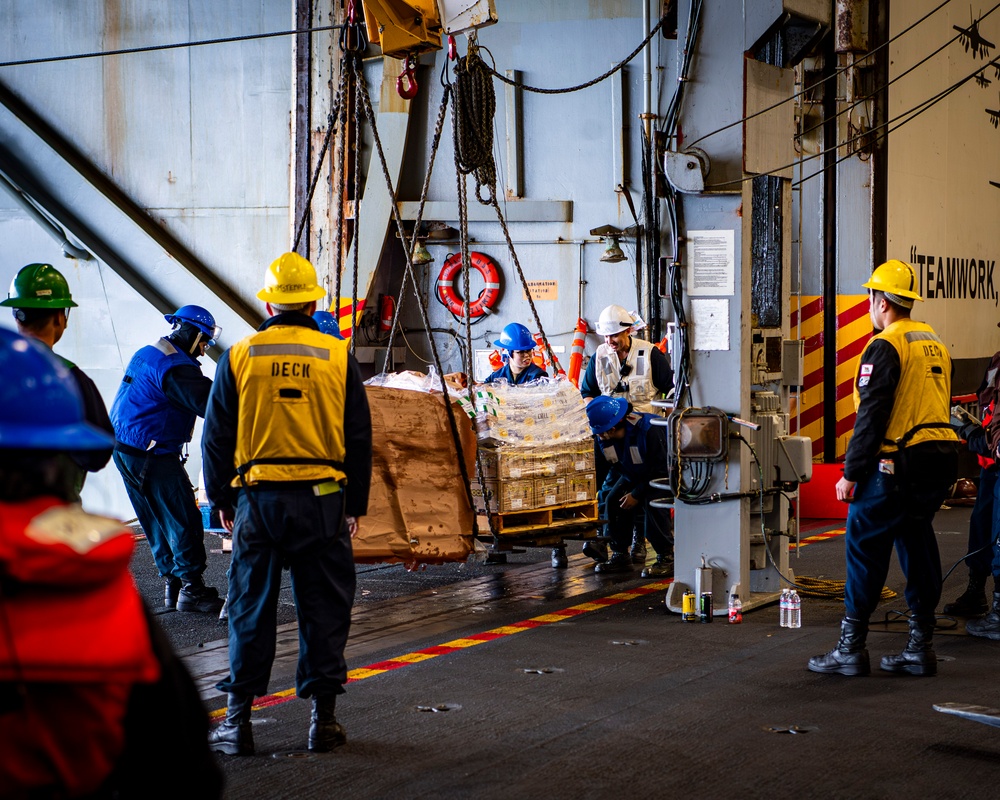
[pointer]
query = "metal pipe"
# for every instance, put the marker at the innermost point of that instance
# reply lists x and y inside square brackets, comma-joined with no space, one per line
[69,249]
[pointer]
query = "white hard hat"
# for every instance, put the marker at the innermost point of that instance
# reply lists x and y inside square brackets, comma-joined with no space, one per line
[614,319]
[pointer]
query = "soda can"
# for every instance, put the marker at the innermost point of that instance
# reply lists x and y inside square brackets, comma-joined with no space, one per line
[689,607]
[706,607]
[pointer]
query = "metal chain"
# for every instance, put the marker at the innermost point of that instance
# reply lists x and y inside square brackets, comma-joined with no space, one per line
[330,128]
[590,83]
[408,246]
[362,88]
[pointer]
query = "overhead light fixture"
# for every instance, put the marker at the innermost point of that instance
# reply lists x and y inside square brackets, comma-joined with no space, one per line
[420,254]
[612,253]
[610,235]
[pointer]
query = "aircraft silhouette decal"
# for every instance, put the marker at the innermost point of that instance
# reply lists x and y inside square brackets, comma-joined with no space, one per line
[973,40]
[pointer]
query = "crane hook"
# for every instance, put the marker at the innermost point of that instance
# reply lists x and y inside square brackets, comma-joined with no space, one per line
[409,90]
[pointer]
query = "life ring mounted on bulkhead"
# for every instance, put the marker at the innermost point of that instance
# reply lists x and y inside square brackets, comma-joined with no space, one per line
[488,297]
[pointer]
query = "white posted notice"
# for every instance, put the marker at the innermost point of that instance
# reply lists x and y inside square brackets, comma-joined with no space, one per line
[710,324]
[711,262]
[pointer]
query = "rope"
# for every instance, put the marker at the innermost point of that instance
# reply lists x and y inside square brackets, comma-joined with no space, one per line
[475,107]
[589,83]
[341,223]
[359,83]
[832,590]
[408,246]
[331,127]
[365,99]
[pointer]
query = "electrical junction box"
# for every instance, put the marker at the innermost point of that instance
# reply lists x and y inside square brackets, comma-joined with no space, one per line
[794,459]
[792,353]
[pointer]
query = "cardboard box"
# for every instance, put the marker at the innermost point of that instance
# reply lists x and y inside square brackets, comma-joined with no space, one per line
[581,486]
[550,491]
[505,496]
[418,509]
[507,463]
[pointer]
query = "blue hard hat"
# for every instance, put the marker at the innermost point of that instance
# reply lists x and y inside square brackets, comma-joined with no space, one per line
[200,318]
[328,324]
[40,404]
[605,412]
[515,337]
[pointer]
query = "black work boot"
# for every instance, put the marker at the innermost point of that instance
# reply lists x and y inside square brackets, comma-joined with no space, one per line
[619,562]
[850,656]
[596,550]
[972,603]
[918,657]
[989,626]
[638,549]
[663,567]
[198,598]
[559,560]
[234,735]
[171,588]
[325,733]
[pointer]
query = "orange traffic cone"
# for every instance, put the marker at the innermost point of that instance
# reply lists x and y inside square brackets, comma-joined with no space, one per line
[576,352]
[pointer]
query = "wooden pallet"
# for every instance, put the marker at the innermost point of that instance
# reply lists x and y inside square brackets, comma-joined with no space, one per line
[550,518]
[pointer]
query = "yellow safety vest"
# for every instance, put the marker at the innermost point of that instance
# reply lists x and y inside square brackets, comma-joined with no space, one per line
[921,410]
[291,384]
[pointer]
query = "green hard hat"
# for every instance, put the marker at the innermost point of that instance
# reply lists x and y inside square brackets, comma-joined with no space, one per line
[39,286]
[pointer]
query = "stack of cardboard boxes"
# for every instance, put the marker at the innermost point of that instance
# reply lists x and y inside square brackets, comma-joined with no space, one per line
[535,447]
[523,478]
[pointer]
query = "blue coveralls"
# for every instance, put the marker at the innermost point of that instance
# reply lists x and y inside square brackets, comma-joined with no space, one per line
[532,373]
[282,524]
[630,464]
[151,428]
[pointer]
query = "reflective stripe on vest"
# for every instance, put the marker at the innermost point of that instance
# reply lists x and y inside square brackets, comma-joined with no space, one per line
[291,384]
[639,382]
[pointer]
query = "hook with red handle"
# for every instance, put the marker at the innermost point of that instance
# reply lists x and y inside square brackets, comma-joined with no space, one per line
[406,83]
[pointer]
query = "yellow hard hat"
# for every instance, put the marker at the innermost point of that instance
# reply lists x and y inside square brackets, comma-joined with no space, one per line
[895,277]
[289,280]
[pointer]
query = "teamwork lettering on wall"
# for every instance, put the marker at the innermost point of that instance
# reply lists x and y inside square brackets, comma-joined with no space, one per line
[947,278]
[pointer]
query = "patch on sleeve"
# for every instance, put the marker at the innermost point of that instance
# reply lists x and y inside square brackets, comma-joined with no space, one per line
[73,527]
[866,369]
[863,382]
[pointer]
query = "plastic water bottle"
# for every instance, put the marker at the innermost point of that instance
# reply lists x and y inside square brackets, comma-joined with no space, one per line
[794,610]
[735,609]
[783,608]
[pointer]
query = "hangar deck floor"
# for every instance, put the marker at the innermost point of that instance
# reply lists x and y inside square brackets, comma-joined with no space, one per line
[520,681]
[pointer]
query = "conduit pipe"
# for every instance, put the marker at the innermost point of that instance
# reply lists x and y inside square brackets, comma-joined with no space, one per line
[69,249]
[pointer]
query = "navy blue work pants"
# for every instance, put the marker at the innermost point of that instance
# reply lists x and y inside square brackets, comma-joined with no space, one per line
[983,525]
[886,512]
[290,528]
[653,523]
[165,504]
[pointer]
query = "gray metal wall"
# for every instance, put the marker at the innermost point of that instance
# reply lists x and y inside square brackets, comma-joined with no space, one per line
[197,136]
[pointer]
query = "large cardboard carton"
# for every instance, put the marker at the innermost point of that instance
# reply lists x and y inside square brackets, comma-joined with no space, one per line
[418,510]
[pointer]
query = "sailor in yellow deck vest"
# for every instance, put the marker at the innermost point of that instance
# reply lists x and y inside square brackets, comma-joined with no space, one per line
[287,456]
[900,462]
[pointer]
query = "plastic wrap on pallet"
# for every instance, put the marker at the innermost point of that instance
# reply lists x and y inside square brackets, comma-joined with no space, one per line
[546,411]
